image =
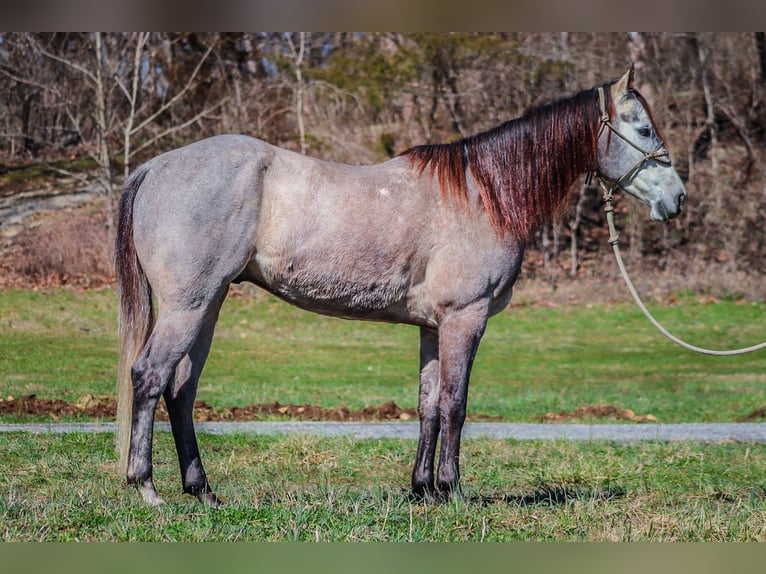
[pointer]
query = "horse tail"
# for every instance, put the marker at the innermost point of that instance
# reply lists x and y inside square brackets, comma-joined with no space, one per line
[136,311]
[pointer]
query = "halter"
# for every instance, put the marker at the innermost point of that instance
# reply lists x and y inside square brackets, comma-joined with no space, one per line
[660,153]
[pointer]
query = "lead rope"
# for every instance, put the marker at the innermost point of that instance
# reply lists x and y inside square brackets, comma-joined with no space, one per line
[658,154]
[614,242]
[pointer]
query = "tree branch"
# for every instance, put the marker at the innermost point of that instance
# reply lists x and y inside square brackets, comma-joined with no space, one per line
[176,128]
[166,106]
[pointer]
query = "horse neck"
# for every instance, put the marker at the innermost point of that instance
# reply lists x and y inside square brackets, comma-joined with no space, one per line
[523,169]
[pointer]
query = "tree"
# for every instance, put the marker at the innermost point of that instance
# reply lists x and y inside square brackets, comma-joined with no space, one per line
[362,97]
[141,118]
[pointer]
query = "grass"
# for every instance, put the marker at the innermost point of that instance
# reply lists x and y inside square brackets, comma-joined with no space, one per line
[59,487]
[533,359]
[40,172]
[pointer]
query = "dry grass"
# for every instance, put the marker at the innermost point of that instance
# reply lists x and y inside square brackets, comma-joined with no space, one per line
[67,247]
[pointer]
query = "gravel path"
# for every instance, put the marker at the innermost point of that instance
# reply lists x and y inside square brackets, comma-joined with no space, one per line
[704,432]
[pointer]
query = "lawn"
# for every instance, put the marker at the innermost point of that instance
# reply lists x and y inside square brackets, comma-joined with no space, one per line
[299,488]
[533,359]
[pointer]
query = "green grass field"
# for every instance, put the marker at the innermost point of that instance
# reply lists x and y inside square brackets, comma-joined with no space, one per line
[533,360]
[297,488]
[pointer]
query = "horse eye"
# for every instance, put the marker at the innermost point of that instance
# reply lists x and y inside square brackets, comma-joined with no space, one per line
[644,132]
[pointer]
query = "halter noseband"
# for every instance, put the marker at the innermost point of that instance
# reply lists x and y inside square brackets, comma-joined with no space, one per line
[660,153]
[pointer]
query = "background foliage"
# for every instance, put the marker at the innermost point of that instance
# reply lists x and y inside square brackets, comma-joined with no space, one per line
[97,104]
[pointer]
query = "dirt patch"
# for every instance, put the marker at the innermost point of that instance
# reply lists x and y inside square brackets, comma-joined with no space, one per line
[69,247]
[756,415]
[387,411]
[104,407]
[598,412]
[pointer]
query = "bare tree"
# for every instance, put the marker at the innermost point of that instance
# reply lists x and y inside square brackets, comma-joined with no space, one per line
[89,71]
[139,119]
[297,54]
[710,123]
[102,127]
[760,42]
[361,97]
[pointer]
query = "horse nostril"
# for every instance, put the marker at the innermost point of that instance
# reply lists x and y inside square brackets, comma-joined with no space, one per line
[681,200]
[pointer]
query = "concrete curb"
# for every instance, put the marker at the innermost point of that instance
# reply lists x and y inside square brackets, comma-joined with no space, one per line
[704,432]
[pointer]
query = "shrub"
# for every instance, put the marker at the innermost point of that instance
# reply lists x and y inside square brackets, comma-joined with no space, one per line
[71,247]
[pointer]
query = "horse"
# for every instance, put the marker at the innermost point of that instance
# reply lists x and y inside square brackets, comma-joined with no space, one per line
[433,237]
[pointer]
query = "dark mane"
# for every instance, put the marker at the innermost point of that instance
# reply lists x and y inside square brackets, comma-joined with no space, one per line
[524,168]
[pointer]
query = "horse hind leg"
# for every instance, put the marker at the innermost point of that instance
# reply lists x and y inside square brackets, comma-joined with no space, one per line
[173,337]
[179,398]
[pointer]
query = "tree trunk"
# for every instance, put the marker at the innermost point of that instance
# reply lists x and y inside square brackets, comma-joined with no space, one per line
[710,122]
[103,155]
[760,45]
[298,54]
[133,100]
[574,228]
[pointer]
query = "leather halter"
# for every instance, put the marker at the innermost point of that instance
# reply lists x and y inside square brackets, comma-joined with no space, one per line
[660,153]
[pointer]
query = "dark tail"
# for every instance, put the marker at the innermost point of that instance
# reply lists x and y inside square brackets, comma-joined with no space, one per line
[136,312]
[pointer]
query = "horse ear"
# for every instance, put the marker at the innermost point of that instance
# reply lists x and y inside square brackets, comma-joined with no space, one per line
[625,84]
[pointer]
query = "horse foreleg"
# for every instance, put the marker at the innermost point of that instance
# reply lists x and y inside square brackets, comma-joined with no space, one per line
[428,409]
[179,398]
[459,337]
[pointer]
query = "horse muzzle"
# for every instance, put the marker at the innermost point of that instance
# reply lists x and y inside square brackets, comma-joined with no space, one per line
[662,210]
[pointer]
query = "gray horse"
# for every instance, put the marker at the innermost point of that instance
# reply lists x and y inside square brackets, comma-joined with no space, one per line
[433,237]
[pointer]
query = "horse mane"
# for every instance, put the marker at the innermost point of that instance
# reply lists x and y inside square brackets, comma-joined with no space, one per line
[524,168]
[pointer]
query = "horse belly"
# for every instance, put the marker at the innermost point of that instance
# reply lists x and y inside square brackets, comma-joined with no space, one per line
[374,291]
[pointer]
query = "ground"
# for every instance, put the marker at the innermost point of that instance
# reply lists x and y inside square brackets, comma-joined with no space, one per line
[104,407]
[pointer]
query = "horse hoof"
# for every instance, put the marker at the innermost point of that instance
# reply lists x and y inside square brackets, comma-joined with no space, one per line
[149,495]
[448,492]
[210,499]
[424,493]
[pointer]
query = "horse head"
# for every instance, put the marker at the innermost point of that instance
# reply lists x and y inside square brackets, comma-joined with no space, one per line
[632,154]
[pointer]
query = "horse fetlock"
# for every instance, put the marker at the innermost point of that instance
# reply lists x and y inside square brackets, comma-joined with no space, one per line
[448,479]
[423,487]
[199,489]
[441,493]
[425,492]
[139,470]
[448,490]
